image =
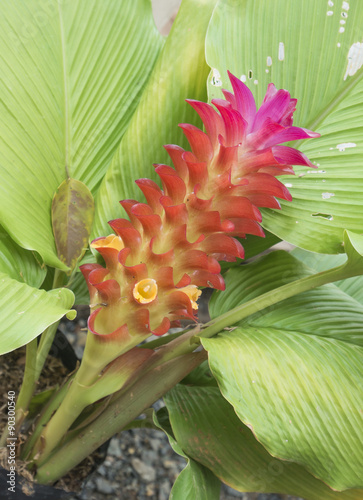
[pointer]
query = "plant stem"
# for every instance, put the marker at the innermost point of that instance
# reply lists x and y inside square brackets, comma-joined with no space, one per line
[45,416]
[29,382]
[163,340]
[71,406]
[267,299]
[45,344]
[48,335]
[148,389]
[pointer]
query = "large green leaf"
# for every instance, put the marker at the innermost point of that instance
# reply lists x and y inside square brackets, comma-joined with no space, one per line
[72,73]
[179,73]
[27,312]
[314,51]
[326,311]
[20,264]
[302,395]
[207,429]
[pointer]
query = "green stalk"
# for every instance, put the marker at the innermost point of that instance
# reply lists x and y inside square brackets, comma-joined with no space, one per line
[48,335]
[80,395]
[267,299]
[29,382]
[71,406]
[45,344]
[123,410]
[45,416]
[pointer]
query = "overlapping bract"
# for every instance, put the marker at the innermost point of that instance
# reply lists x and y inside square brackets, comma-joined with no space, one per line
[171,245]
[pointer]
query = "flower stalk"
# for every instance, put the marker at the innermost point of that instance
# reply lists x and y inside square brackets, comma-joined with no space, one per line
[120,412]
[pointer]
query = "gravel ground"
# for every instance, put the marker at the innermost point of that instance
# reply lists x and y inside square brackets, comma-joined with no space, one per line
[140,465]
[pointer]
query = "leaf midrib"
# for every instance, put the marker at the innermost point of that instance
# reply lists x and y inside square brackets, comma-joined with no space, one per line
[67,137]
[337,99]
[287,330]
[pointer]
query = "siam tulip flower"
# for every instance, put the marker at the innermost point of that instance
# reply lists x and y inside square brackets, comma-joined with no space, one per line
[169,247]
[158,258]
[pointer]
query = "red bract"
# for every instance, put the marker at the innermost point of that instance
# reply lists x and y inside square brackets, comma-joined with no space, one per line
[171,245]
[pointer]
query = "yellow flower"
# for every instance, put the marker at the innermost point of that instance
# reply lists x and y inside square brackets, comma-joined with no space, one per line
[145,291]
[193,293]
[110,241]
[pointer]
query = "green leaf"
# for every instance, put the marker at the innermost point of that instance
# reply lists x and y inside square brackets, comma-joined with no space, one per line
[309,52]
[20,264]
[196,481]
[179,73]
[207,428]
[72,218]
[80,290]
[200,376]
[27,312]
[318,261]
[39,401]
[253,245]
[300,394]
[354,247]
[322,262]
[161,420]
[72,73]
[78,284]
[325,311]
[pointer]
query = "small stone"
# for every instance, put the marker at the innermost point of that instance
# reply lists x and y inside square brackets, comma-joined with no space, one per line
[150,490]
[263,496]
[232,492]
[168,464]
[146,472]
[131,450]
[228,492]
[149,456]
[164,490]
[155,444]
[104,486]
[114,448]
[79,351]
[102,470]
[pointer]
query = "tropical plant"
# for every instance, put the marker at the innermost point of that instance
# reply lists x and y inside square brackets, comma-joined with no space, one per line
[267,396]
